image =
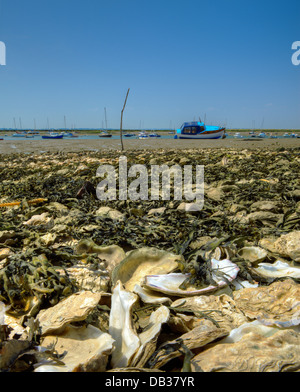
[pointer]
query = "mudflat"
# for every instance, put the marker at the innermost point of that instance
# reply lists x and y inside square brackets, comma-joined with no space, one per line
[76,145]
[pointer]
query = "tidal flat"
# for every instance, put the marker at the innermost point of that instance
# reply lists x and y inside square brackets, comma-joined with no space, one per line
[31,146]
[149,285]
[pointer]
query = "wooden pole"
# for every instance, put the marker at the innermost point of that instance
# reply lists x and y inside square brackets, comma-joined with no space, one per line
[122,119]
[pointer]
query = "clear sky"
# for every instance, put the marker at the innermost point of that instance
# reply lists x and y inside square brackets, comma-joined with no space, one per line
[226,61]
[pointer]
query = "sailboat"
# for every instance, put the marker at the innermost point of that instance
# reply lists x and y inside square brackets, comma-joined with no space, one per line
[104,133]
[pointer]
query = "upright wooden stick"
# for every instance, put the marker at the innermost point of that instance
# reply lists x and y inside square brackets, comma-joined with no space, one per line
[122,119]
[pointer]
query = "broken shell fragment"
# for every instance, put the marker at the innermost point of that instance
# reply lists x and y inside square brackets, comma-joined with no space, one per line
[149,296]
[149,336]
[42,219]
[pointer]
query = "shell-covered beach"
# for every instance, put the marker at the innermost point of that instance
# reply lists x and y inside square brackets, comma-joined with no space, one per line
[149,285]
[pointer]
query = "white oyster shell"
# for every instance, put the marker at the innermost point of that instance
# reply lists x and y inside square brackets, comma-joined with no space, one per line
[278,269]
[223,271]
[121,326]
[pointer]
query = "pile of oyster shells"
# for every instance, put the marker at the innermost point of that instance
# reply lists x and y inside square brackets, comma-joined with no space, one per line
[87,285]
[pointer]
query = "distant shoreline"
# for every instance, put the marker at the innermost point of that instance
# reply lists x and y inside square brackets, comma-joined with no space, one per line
[117,131]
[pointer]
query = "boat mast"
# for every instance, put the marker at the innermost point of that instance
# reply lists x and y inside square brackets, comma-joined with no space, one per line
[105,119]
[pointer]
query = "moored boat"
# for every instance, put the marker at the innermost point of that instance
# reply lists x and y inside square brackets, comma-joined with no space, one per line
[20,134]
[105,134]
[53,136]
[143,135]
[237,135]
[154,134]
[262,135]
[198,130]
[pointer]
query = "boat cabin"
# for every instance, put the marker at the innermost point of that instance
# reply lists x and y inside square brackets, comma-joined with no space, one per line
[192,128]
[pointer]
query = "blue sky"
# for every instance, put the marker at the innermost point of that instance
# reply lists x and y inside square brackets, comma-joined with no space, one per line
[226,61]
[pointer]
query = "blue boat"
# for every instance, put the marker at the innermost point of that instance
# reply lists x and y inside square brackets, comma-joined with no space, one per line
[53,136]
[154,134]
[198,130]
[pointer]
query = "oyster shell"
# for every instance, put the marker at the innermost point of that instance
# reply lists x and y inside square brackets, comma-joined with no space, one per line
[74,308]
[121,326]
[223,271]
[253,253]
[88,278]
[288,245]
[256,327]
[4,253]
[112,254]
[84,349]
[222,309]
[170,283]
[139,263]
[149,296]
[253,353]
[198,337]
[276,304]
[279,269]
[110,213]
